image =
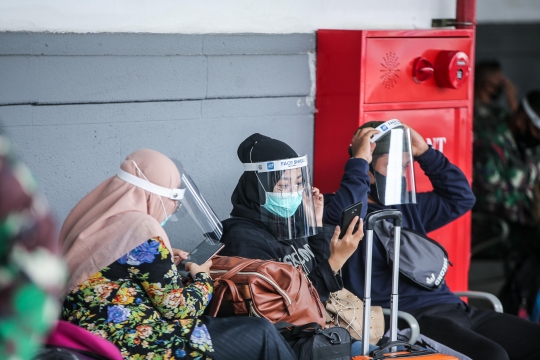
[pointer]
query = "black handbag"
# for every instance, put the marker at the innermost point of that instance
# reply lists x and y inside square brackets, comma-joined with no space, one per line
[312,342]
[421,259]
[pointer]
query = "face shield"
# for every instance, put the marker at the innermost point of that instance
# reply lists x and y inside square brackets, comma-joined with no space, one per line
[392,165]
[286,197]
[193,220]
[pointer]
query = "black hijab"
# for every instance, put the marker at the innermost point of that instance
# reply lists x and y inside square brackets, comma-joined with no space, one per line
[256,148]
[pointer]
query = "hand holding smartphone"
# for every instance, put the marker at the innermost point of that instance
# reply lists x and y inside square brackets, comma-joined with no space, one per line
[200,255]
[347,215]
[204,252]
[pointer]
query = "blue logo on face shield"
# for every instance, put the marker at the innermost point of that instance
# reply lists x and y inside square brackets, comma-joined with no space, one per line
[270,166]
[384,127]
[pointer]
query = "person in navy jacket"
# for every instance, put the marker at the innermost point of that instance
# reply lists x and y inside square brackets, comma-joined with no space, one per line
[442,316]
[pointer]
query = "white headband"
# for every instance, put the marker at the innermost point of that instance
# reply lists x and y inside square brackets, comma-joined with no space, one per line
[173,194]
[384,128]
[530,112]
[276,165]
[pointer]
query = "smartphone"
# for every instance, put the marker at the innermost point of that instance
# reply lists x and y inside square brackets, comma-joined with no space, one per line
[204,252]
[347,215]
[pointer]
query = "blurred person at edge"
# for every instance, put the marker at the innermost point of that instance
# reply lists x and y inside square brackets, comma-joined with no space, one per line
[506,173]
[124,284]
[489,84]
[31,274]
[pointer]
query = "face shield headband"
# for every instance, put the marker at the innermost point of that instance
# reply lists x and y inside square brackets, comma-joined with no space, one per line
[285,196]
[385,128]
[173,194]
[276,165]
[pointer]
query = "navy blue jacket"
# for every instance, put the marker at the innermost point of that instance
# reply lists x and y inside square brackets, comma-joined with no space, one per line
[451,197]
[354,187]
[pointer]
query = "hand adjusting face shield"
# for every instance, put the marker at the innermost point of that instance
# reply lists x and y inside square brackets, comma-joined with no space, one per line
[202,222]
[286,197]
[392,165]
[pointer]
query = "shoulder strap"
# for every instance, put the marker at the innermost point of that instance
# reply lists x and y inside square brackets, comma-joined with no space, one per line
[290,331]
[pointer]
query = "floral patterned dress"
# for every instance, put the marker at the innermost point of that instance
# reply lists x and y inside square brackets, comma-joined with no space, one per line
[139,304]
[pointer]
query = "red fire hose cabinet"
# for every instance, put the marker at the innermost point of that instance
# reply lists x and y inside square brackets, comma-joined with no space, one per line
[421,77]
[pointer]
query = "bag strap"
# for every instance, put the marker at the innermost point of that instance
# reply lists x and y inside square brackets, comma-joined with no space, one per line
[217,298]
[235,270]
[239,305]
[290,331]
[379,353]
[220,287]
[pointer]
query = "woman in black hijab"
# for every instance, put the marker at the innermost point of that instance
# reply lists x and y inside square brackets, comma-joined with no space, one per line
[256,230]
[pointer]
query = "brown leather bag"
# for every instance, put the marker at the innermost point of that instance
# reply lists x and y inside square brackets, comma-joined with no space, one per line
[273,290]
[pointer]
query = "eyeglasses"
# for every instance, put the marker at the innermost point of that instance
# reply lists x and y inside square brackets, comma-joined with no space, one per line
[287,190]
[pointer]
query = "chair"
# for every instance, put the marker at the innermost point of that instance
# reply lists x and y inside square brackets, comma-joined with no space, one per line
[495,302]
[412,323]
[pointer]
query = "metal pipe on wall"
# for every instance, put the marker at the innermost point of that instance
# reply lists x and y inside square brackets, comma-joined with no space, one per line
[466,14]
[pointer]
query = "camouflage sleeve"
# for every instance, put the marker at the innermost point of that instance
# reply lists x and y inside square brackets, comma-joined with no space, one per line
[502,182]
[32,273]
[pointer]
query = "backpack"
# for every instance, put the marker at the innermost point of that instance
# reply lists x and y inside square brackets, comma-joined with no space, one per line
[270,289]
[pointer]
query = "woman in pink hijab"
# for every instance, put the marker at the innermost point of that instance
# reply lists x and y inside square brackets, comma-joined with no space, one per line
[124,285]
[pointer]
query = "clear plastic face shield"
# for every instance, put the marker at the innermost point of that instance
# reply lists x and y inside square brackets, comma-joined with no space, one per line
[286,197]
[192,220]
[392,165]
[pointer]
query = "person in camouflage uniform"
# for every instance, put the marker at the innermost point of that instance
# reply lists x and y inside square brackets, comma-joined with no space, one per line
[489,84]
[507,172]
[31,273]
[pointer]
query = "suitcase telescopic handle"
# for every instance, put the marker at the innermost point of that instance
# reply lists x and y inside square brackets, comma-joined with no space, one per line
[371,219]
[375,216]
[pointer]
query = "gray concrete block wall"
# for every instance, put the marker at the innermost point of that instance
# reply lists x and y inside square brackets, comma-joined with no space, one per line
[77,104]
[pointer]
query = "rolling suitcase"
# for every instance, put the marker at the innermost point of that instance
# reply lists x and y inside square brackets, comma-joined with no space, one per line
[387,351]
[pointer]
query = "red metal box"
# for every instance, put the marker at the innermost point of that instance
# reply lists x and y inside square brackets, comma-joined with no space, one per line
[422,77]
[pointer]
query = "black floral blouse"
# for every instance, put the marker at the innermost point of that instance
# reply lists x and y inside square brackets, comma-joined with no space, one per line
[139,304]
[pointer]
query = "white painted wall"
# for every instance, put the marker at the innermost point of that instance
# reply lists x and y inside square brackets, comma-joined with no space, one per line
[215,16]
[496,11]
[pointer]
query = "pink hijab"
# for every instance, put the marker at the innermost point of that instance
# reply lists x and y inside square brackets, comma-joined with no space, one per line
[117,216]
